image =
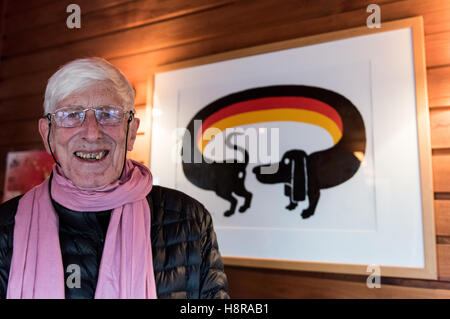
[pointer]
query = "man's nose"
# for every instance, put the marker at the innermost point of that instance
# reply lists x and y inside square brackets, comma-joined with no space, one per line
[91,129]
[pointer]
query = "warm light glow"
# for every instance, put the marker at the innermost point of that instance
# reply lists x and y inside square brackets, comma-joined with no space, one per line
[359,155]
[141,149]
[156,112]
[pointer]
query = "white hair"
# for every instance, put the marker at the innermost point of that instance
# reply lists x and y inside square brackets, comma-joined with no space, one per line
[82,73]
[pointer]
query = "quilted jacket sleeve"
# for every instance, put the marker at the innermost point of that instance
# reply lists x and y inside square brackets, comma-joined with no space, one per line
[7,214]
[214,284]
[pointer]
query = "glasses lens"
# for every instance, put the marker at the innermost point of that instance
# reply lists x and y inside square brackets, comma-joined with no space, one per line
[69,117]
[109,115]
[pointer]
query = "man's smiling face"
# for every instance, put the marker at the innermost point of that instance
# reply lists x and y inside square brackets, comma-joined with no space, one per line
[91,155]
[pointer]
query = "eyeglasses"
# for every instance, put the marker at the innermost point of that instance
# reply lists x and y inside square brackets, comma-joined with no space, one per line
[74,116]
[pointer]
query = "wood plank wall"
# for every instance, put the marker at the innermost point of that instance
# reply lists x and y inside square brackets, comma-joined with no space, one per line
[139,35]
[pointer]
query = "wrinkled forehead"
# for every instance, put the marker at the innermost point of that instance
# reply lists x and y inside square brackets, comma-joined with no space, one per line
[92,96]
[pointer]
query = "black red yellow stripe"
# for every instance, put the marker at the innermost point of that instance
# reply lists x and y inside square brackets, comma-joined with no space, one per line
[271,109]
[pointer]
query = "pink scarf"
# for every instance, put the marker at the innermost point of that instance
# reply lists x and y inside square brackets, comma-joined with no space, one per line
[126,269]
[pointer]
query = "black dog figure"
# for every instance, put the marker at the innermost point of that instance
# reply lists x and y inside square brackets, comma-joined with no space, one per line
[223,178]
[293,172]
[305,174]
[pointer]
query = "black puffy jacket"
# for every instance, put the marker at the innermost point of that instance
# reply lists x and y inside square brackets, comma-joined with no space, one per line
[186,259]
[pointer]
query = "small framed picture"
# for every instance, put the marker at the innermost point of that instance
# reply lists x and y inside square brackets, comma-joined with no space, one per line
[24,170]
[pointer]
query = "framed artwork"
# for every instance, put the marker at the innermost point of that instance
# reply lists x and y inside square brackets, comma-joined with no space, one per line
[310,154]
[24,170]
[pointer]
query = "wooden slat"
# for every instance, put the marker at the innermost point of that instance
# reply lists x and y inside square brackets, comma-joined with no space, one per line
[35,84]
[440,128]
[53,12]
[438,49]
[141,149]
[254,283]
[443,253]
[439,86]
[441,173]
[125,16]
[17,133]
[442,213]
[287,16]
[437,21]
[18,6]
[141,92]
[3,4]
[21,108]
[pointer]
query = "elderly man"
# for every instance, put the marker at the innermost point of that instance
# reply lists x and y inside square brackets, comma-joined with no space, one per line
[98,228]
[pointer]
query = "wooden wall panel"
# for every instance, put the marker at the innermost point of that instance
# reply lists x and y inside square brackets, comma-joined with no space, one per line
[263,283]
[19,6]
[2,25]
[440,127]
[50,13]
[141,92]
[293,17]
[138,35]
[36,84]
[443,251]
[441,172]
[31,107]
[439,86]
[437,48]
[19,133]
[438,21]
[159,56]
[442,214]
[14,87]
[106,21]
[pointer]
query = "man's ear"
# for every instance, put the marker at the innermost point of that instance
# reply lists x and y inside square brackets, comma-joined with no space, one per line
[134,126]
[43,130]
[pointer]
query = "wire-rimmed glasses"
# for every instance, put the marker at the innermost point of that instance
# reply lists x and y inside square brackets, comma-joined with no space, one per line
[74,116]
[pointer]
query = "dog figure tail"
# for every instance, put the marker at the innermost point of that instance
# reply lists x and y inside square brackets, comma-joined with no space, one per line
[230,144]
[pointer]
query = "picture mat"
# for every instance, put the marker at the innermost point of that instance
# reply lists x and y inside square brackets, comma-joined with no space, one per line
[382,223]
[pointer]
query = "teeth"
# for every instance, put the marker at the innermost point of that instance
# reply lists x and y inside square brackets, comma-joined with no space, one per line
[91,156]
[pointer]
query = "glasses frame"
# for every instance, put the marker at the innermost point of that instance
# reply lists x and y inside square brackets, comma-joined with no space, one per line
[49,116]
